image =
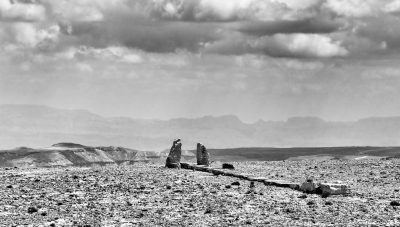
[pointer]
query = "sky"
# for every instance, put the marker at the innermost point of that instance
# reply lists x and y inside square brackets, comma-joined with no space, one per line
[162,59]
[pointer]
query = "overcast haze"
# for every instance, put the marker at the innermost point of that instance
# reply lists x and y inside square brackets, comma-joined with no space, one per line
[257,59]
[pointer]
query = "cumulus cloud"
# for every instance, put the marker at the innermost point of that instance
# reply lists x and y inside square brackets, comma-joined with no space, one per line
[282,45]
[302,45]
[28,35]
[21,11]
[353,8]
[392,7]
[288,28]
[230,10]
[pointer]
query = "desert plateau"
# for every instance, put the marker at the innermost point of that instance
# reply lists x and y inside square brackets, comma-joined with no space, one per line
[148,194]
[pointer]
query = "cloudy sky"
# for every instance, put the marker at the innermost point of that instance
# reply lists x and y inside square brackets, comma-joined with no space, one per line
[257,59]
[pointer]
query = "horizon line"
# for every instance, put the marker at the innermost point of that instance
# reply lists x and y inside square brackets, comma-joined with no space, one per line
[204,116]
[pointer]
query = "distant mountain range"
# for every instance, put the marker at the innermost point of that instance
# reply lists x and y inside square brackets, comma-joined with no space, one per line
[39,126]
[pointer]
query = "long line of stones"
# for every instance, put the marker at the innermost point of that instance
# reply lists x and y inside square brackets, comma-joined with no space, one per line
[277,183]
[203,165]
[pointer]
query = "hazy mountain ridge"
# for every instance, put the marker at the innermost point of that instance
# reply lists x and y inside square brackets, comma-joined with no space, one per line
[38,126]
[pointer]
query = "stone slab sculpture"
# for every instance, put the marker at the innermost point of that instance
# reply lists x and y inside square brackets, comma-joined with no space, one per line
[334,189]
[174,156]
[202,155]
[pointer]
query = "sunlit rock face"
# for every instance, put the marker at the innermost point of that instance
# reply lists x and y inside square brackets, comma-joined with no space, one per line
[174,157]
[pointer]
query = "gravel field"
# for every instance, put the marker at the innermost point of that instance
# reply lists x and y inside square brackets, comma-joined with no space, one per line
[150,195]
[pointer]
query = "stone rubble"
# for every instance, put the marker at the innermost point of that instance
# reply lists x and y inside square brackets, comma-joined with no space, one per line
[147,195]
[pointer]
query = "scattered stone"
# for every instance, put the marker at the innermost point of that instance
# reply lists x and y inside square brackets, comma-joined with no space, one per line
[112,193]
[227,166]
[217,172]
[208,211]
[174,157]
[395,203]
[252,185]
[303,196]
[311,202]
[289,210]
[203,157]
[323,195]
[32,210]
[236,183]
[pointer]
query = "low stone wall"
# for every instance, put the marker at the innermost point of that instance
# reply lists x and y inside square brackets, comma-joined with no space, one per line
[324,189]
[277,183]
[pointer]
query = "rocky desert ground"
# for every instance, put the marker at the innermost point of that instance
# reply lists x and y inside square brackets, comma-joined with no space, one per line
[151,195]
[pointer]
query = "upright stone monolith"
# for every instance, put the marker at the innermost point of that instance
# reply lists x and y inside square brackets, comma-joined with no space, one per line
[203,158]
[174,157]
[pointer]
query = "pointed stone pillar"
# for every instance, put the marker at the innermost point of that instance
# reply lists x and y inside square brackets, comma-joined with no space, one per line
[203,157]
[174,157]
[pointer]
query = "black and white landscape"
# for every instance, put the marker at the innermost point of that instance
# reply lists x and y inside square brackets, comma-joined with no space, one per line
[279,112]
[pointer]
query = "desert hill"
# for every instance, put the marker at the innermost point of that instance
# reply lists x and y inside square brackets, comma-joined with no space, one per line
[70,154]
[38,126]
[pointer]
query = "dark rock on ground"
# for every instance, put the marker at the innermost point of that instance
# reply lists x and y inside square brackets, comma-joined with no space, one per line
[303,196]
[395,203]
[227,166]
[32,210]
